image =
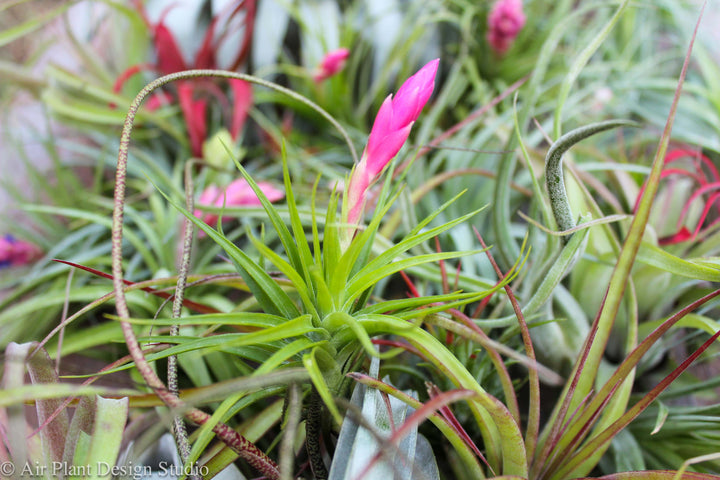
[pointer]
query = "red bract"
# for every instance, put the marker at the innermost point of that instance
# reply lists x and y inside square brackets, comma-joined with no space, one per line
[707,177]
[169,59]
[389,132]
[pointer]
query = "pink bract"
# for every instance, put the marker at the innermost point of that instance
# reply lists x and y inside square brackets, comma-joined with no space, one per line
[389,131]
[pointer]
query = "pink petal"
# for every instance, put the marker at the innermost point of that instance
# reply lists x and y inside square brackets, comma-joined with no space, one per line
[682,235]
[382,125]
[205,57]
[158,100]
[17,252]
[25,252]
[237,193]
[273,194]
[6,248]
[390,130]
[356,191]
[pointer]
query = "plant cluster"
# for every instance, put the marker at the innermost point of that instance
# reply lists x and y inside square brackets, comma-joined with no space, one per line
[516,278]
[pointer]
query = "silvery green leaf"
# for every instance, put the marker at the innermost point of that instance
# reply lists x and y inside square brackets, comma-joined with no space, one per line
[357,446]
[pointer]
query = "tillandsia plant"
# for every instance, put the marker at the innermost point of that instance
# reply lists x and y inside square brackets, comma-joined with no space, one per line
[317,315]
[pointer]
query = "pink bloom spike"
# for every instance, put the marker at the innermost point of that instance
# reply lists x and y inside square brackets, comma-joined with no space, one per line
[389,132]
[505,21]
[331,64]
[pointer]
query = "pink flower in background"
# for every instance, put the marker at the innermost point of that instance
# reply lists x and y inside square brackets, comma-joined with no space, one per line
[389,132]
[505,21]
[15,252]
[238,193]
[331,64]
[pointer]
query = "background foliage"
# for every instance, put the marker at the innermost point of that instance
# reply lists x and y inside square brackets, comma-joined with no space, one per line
[477,316]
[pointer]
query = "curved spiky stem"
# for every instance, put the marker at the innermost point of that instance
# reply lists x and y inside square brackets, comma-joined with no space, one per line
[554,178]
[246,449]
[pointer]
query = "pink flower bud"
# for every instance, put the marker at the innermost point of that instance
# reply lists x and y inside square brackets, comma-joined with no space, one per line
[505,21]
[389,132]
[331,64]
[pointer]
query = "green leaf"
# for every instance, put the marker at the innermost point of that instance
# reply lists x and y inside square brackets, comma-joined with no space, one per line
[42,372]
[108,427]
[367,278]
[82,423]
[501,434]
[319,369]
[33,23]
[580,63]
[247,319]
[290,244]
[27,393]
[302,286]
[700,269]
[305,256]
